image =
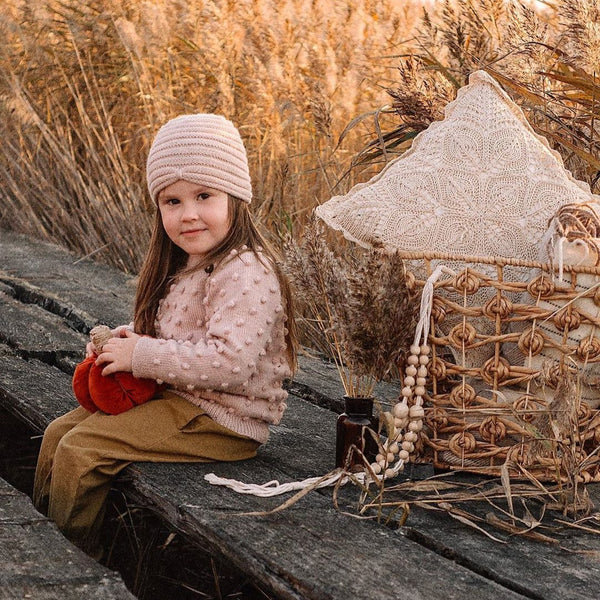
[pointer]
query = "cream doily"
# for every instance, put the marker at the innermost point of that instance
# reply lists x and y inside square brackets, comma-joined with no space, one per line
[481,182]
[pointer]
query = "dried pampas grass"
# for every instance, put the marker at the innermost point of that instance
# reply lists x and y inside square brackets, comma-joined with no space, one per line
[358,306]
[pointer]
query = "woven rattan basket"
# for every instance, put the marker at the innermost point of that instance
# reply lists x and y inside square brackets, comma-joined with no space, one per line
[512,383]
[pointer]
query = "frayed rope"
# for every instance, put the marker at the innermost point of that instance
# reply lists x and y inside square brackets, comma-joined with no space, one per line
[422,328]
[274,488]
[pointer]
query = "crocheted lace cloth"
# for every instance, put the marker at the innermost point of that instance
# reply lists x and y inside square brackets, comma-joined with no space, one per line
[480,182]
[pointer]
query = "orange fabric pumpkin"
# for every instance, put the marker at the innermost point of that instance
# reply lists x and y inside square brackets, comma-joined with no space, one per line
[112,394]
[80,384]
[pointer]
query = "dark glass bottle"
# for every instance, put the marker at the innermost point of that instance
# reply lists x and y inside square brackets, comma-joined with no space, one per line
[358,414]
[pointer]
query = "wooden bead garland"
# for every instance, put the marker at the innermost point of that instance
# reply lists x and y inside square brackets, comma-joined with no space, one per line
[407,420]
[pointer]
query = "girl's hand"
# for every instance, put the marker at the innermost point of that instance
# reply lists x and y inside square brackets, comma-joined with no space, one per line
[90,350]
[117,353]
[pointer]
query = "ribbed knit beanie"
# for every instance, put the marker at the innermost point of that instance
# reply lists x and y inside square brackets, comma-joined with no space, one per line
[203,148]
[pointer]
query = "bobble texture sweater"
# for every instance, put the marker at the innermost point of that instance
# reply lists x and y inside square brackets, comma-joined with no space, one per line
[220,344]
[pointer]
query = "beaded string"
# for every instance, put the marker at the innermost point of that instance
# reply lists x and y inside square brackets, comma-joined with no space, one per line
[407,420]
[408,412]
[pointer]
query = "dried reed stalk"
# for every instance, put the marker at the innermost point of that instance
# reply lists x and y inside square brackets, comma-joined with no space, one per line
[529,509]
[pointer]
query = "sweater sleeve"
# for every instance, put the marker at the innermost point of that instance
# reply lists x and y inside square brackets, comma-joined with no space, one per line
[242,303]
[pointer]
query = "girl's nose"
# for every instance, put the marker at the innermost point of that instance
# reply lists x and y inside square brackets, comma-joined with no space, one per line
[190,211]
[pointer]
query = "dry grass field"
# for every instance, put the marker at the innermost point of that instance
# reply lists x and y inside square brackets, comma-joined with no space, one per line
[318,89]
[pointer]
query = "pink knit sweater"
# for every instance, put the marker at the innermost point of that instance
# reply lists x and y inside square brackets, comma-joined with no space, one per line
[220,344]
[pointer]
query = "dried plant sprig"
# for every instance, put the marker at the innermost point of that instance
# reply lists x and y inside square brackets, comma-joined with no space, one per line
[378,285]
[581,18]
[357,301]
[537,507]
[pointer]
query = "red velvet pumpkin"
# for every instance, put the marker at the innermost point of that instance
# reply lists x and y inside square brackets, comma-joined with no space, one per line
[80,384]
[112,394]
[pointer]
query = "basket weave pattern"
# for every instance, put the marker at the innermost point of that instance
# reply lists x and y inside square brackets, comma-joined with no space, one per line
[503,409]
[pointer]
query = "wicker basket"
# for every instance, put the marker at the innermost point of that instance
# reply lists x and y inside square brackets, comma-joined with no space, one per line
[514,348]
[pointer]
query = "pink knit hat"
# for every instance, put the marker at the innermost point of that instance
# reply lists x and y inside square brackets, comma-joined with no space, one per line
[203,148]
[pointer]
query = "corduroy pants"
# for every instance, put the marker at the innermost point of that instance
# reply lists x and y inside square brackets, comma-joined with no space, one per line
[82,452]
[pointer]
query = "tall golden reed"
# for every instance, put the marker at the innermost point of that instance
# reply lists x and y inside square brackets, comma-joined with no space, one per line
[324,91]
[85,85]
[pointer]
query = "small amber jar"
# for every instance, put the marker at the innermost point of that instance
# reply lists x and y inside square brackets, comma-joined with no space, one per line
[351,430]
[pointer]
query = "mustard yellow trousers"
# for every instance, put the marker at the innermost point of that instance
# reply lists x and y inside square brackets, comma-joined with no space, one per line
[82,452]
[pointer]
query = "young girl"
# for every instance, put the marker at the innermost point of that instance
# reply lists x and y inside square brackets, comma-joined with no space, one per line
[213,323]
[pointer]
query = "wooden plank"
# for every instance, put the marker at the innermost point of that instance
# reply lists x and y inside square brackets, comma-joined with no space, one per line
[34,332]
[33,391]
[167,489]
[15,510]
[308,551]
[303,444]
[319,553]
[7,490]
[569,570]
[106,589]
[82,292]
[36,561]
[36,553]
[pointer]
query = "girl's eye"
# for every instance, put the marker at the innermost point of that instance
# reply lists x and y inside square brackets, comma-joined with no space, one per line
[203,196]
[172,201]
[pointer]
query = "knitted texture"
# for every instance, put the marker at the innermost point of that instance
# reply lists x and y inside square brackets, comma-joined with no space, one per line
[204,149]
[220,344]
[480,182]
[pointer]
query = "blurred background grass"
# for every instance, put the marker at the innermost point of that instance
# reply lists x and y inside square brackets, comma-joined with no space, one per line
[323,92]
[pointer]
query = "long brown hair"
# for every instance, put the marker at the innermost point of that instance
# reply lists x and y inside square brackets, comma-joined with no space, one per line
[164,261]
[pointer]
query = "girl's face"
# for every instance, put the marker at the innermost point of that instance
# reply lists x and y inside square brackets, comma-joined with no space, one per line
[195,217]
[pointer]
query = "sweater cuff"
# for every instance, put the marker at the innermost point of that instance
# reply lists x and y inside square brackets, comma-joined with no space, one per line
[141,362]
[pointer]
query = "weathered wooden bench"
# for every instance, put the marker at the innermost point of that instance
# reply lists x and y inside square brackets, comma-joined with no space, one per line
[49,299]
[36,561]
